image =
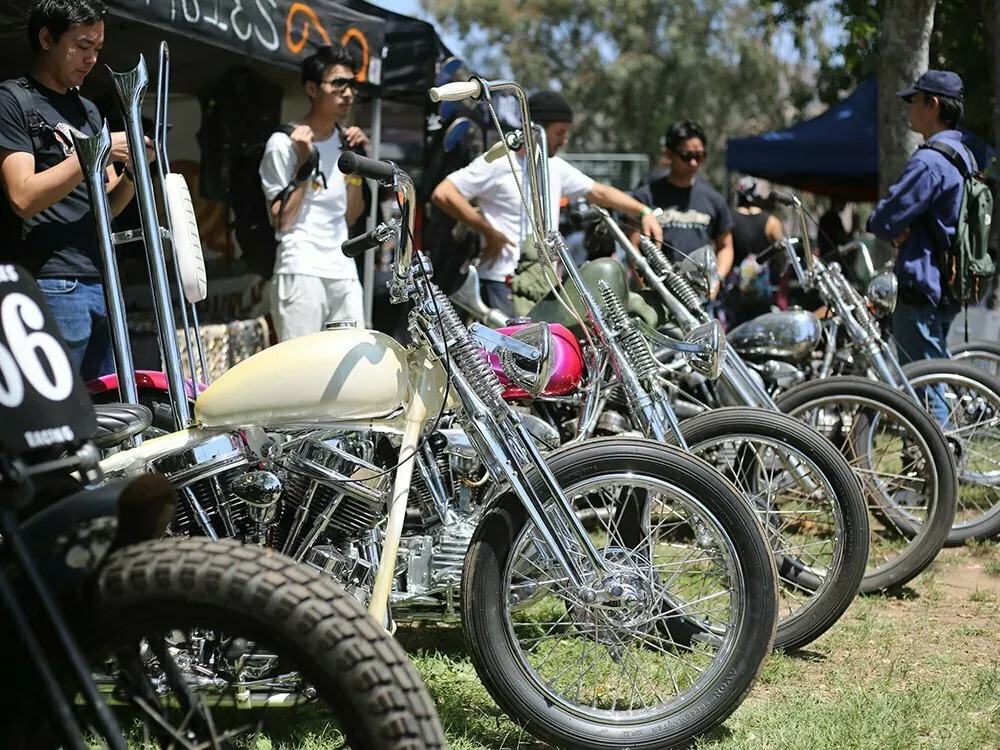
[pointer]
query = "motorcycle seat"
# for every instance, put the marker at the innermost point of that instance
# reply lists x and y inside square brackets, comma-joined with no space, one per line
[118,422]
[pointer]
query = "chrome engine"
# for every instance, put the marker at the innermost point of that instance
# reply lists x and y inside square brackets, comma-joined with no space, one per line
[320,497]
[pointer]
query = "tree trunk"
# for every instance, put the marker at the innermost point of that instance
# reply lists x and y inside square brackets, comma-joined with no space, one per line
[903,56]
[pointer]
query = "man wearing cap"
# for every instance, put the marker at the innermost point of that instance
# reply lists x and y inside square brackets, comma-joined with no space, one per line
[920,214]
[501,219]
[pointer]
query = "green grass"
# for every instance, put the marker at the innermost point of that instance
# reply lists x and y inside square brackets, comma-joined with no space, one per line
[918,669]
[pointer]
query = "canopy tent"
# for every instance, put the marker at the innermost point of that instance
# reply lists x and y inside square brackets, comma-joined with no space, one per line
[206,36]
[413,51]
[834,153]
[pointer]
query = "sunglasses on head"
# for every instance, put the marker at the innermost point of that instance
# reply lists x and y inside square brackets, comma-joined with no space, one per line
[698,156]
[343,84]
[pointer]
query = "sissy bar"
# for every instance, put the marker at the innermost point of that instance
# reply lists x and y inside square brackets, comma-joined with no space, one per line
[188,297]
[93,153]
[131,88]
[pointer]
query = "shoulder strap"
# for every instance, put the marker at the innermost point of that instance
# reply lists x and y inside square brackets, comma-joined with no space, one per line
[20,89]
[950,153]
[86,113]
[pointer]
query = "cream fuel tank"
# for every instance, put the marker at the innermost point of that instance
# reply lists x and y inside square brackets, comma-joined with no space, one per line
[341,374]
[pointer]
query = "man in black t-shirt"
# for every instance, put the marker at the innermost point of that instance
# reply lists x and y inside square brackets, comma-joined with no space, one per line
[692,214]
[48,219]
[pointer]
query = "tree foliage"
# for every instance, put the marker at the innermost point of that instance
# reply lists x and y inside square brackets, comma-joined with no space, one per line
[631,67]
[962,41]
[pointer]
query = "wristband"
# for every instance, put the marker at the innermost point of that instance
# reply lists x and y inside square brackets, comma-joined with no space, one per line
[646,211]
[353,180]
[127,176]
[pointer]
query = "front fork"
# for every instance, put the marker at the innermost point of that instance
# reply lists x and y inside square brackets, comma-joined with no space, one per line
[509,452]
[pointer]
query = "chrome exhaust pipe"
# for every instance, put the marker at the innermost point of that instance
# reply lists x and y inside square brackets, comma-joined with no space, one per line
[93,153]
[131,88]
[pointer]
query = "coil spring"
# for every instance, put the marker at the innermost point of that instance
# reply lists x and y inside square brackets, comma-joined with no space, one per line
[677,284]
[861,312]
[657,260]
[632,342]
[465,353]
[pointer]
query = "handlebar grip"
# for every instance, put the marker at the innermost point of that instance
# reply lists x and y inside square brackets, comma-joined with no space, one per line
[361,244]
[784,199]
[770,251]
[456,91]
[373,169]
[496,151]
[586,216]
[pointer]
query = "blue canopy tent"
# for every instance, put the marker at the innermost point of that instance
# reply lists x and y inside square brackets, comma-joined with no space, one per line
[834,154]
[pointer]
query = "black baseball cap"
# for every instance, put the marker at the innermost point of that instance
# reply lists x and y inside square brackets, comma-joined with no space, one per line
[936,83]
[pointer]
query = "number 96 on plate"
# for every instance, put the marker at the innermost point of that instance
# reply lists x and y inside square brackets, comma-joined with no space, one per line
[42,399]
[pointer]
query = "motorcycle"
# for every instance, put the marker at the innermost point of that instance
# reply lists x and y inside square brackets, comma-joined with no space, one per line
[806,495]
[147,614]
[586,572]
[964,399]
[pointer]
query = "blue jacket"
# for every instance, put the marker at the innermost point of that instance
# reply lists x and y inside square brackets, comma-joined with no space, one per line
[926,199]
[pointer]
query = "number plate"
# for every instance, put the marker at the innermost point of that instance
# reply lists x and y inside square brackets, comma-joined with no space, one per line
[42,399]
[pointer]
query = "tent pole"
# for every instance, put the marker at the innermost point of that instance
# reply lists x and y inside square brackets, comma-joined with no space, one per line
[369,281]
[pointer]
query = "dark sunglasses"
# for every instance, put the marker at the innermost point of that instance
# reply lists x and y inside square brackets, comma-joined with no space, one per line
[698,156]
[343,84]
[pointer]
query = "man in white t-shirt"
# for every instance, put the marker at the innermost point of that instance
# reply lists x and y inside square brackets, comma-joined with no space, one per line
[501,219]
[314,282]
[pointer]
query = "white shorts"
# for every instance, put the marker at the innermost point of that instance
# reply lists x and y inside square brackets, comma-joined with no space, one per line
[305,304]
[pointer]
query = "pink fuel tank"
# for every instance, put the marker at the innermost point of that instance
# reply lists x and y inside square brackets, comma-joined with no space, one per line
[567,364]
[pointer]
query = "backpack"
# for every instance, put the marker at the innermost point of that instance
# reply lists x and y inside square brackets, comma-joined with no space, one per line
[251,211]
[20,88]
[967,267]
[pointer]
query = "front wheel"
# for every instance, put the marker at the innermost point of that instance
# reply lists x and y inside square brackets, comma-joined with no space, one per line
[663,649]
[810,504]
[216,644]
[902,459]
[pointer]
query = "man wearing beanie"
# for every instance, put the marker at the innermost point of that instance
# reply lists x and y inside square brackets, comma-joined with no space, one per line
[501,219]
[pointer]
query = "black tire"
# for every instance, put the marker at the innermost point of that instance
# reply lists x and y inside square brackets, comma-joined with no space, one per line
[834,591]
[358,671]
[984,355]
[512,683]
[922,548]
[979,525]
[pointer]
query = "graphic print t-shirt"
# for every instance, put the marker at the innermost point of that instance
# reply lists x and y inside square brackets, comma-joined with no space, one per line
[61,241]
[692,217]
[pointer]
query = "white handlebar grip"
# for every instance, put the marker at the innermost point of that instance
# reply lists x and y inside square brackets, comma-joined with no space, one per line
[455,92]
[495,151]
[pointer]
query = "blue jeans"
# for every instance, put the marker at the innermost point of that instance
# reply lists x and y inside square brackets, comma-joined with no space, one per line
[921,332]
[78,307]
[497,294]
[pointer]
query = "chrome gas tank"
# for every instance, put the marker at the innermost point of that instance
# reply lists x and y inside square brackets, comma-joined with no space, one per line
[790,335]
[335,375]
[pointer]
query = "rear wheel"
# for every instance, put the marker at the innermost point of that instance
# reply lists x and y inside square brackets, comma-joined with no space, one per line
[903,461]
[982,354]
[662,650]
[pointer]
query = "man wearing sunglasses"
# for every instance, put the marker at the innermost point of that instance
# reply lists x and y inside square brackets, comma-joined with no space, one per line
[313,203]
[692,214]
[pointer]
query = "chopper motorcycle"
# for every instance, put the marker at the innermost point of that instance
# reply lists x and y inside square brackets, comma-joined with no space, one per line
[98,613]
[614,594]
[806,495]
[963,399]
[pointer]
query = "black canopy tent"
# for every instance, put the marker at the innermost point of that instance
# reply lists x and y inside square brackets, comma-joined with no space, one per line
[208,36]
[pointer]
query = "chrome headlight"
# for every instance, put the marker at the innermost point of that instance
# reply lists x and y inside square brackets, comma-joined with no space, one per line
[712,356]
[530,375]
[883,291]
